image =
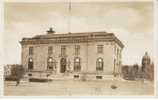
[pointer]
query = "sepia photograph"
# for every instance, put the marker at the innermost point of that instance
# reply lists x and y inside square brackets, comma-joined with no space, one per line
[68,48]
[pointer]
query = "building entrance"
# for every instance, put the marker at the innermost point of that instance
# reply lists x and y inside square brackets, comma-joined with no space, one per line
[63,65]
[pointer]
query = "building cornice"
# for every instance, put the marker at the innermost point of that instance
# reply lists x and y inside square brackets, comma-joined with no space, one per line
[72,38]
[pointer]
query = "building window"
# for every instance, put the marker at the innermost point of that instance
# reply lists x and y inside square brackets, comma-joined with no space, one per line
[77,49]
[30,64]
[99,64]
[120,54]
[100,48]
[51,64]
[63,65]
[117,53]
[114,66]
[30,50]
[99,77]
[63,50]
[76,76]
[50,50]
[77,64]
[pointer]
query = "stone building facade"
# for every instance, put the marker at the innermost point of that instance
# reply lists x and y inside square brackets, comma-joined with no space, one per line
[91,53]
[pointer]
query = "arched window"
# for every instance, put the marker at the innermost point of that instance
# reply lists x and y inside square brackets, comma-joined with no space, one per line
[30,64]
[99,64]
[63,65]
[51,64]
[77,64]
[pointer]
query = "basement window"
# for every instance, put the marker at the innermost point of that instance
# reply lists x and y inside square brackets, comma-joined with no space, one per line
[76,76]
[29,74]
[99,77]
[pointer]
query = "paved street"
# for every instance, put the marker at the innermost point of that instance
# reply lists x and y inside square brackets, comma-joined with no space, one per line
[79,88]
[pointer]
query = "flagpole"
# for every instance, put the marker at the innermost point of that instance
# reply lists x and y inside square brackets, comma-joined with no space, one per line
[69,19]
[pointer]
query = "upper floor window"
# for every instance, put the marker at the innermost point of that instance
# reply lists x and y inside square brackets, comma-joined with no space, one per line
[117,53]
[30,50]
[63,50]
[99,64]
[114,66]
[77,64]
[77,49]
[100,48]
[50,50]
[120,54]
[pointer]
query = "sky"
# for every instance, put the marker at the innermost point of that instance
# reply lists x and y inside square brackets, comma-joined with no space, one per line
[131,22]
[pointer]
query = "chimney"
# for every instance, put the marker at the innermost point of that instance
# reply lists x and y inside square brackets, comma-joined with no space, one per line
[50,31]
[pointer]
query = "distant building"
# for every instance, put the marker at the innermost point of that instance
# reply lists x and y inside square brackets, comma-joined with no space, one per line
[145,71]
[147,67]
[97,54]
[145,61]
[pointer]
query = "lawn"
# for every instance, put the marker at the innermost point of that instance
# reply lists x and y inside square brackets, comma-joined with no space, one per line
[80,88]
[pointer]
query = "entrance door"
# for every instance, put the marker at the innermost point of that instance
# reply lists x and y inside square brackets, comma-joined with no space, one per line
[63,65]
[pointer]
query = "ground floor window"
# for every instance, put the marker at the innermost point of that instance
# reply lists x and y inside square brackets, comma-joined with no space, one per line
[51,64]
[77,64]
[30,64]
[99,64]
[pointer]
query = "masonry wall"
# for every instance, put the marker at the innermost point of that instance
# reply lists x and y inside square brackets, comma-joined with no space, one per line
[118,58]
[88,55]
[40,55]
[107,56]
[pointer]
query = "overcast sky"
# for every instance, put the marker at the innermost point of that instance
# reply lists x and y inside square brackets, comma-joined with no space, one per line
[132,23]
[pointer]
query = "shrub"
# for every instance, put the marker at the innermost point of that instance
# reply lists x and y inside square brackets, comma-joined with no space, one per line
[125,72]
[17,72]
